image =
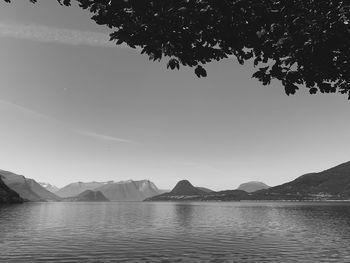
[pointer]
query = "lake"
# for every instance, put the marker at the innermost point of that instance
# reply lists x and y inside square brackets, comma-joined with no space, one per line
[175,232]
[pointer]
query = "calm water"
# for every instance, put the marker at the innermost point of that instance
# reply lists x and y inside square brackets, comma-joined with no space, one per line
[175,232]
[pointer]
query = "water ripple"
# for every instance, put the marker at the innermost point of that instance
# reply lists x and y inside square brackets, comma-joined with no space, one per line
[175,232]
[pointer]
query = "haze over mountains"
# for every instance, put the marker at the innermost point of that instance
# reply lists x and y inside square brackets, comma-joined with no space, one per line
[253,186]
[115,191]
[88,196]
[74,189]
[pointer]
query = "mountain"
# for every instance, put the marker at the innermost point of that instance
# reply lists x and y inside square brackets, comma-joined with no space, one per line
[185,191]
[114,191]
[27,188]
[88,196]
[147,188]
[333,183]
[75,189]
[50,187]
[252,186]
[7,195]
[184,187]
[129,190]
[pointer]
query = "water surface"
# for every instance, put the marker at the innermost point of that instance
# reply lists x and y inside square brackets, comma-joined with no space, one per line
[175,232]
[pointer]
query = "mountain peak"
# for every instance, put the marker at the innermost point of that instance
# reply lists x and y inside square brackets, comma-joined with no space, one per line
[184,187]
[49,187]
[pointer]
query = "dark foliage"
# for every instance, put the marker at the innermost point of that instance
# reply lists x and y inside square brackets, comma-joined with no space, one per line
[298,42]
[227,195]
[7,195]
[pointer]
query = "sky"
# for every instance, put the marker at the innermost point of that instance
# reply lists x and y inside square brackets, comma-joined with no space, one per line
[75,107]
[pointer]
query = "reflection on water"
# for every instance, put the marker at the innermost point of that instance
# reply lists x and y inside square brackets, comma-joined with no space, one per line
[175,232]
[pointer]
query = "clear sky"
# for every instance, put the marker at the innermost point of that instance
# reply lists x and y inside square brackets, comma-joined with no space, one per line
[73,107]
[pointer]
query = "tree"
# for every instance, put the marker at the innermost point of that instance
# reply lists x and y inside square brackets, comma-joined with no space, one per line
[298,42]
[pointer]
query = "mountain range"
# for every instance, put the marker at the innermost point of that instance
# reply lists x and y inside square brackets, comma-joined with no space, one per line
[115,191]
[331,184]
[30,190]
[185,191]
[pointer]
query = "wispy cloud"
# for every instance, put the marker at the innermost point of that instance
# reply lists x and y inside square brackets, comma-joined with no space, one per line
[54,35]
[104,137]
[23,110]
[34,114]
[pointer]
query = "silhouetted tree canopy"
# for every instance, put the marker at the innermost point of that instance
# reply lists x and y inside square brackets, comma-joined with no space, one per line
[298,42]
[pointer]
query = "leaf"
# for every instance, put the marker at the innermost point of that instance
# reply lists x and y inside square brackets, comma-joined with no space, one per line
[290,89]
[200,71]
[173,63]
[313,90]
[310,38]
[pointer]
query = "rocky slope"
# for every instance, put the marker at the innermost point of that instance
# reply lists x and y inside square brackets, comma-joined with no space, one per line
[252,186]
[27,188]
[129,190]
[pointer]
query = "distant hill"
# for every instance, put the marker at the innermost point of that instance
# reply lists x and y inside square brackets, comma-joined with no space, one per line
[27,188]
[162,191]
[185,191]
[253,186]
[226,195]
[50,187]
[207,190]
[333,183]
[77,188]
[129,190]
[88,196]
[7,195]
